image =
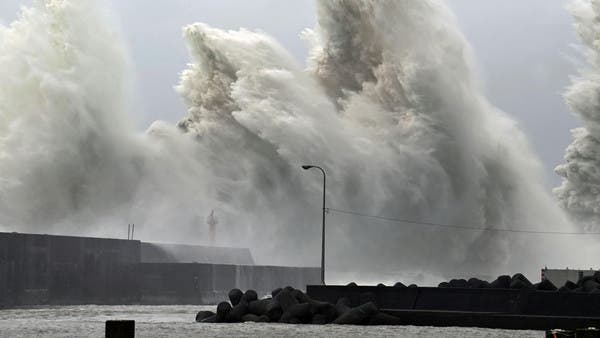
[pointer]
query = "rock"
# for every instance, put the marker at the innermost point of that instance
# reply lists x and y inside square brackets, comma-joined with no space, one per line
[351,284]
[250,296]
[381,285]
[285,299]
[564,289]
[413,286]
[235,295]
[237,312]
[381,318]
[367,297]
[275,292]
[358,315]
[502,282]
[443,285]
[204,314]
[259,307]
[545,285]
[289,288]
[399,285]
[222,310]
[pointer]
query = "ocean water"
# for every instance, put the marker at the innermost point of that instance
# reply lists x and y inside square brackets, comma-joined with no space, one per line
[178,321]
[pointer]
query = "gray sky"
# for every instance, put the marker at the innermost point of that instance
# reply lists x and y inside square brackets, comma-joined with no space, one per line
[523,50]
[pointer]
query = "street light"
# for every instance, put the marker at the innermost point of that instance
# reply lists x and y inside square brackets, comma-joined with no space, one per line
[307,167]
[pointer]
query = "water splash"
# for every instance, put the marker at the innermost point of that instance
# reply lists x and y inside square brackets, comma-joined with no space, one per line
[388,106]
[579,193]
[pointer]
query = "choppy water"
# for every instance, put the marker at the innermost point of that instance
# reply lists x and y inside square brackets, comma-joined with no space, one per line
[178,321]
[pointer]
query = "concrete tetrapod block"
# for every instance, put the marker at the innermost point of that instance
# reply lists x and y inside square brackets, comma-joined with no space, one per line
[259,307]
[204,314]
[120,329]
[222,310]
[235,296]
[358,315]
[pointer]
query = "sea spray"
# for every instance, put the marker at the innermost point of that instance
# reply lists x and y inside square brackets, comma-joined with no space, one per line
[388,106]
[579,193]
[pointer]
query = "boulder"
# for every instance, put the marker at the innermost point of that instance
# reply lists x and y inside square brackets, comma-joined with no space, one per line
[351,284]
[413,286]
[381,285]
[358,315]
[204,314]
[399,285]
[443,285]
[235,295]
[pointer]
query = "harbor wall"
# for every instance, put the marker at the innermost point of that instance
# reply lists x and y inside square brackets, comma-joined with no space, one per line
[47,269]
[43,269]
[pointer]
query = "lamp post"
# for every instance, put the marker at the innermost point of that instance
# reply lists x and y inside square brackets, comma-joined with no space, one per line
[307,167]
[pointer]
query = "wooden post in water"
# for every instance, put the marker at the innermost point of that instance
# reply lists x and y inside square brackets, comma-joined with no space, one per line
[120,329]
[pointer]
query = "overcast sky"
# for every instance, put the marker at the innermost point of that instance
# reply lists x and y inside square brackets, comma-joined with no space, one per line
[524,49]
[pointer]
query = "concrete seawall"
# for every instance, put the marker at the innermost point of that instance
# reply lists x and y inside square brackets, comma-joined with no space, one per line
[46,269]
[492,308]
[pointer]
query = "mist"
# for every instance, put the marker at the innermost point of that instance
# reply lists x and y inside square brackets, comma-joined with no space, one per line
[387,104]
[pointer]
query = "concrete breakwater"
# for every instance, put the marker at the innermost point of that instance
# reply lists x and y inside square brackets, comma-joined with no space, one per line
[507,303]
[292,306]
[63,270]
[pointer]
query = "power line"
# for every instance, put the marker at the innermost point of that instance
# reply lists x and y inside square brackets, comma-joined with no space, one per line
[455,226]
